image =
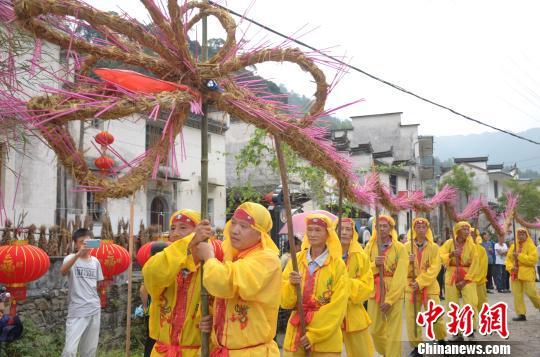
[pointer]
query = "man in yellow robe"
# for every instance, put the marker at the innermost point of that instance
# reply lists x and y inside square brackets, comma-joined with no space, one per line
[522,274]
[246,285]
[387,315]
[323,281]
[355,326]
[462,254]
[172,278]
[425,260]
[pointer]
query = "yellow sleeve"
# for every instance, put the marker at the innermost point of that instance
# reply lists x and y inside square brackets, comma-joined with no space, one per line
[362,286]
[509,261]
[160,271]
[332,314]
[399,280]
[444,252]
[474,269]
[288,291]
[428,277]
[528,257]
[244,277]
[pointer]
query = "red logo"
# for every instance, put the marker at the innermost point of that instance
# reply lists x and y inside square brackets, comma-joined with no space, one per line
[461,320]
[494,319]
[429,317]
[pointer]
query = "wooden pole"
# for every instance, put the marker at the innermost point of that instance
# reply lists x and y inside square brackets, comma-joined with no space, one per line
[515,240]
[379,248]
[290,231]
[205,337]
[409,224]
[130,274]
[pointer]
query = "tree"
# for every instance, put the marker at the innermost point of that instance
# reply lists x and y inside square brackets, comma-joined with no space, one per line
[259,152]
[529,198]
[460,180]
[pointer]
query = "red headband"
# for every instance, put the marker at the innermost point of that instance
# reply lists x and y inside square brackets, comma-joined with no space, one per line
[382,218]
[243,215]
[421,221]
[317,222]
[181,218]
[347,220]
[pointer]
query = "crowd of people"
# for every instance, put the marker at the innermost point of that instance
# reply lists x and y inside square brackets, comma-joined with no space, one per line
[351,298]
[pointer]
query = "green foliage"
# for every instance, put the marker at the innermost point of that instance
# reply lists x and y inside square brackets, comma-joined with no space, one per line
[259,152]
[460,179]
[529,198]
[36,343]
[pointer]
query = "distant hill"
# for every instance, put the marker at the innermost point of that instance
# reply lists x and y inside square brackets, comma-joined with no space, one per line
[499,147]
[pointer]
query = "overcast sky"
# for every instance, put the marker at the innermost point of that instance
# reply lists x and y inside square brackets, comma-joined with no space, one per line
[480,57]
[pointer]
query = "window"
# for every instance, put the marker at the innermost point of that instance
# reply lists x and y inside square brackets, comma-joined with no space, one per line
[97,123]
[393,184]
[158,209]
[496,188]
[93,209]
[211,210]
[153,134]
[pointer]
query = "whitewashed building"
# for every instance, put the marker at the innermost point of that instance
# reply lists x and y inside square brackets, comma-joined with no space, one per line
[33,182]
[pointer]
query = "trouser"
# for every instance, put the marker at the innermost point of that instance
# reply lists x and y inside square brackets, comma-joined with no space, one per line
[82,333]
[506,279]
[529,288]
[386,328]
[499,276]
[439,327]
[490,275]
[481,293]
[468,295]
[150,342]
[440,279]
[358,343]
[538,270]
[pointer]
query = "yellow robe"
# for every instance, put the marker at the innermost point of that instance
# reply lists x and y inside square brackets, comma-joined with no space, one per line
[524,282]
[426,271]
[327,304]
[173,282]
[356,335]
[469,265]
[247,293]
[386,328]
[481,277]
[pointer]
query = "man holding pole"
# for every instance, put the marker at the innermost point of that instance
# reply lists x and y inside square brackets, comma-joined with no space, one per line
[385,306]
[355,326]
[246,285]
[460,256]
[520,264]
[172,280]
[424,259]
[323,278]
[482,272]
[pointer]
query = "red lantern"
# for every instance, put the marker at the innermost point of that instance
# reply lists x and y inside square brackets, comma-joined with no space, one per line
[114,260]
[104,163]
[21,263]
[104,138]
[143,254]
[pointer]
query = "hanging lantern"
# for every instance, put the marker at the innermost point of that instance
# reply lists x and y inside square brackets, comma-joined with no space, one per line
[21,263]
[104,138]
[143,254]
[114,260]
[104,163]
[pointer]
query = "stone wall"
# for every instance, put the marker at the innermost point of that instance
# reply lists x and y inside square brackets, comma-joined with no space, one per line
[46,304]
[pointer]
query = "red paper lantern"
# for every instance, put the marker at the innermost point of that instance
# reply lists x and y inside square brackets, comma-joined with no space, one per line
[21,263]
[104,138]
[104,163]
[114,260]
[143,254]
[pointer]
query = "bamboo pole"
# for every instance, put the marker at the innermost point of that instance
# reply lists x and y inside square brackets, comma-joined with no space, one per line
[379,248]
[205,337]
[130,274]
[290,231]
[340,209]
[409,223]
